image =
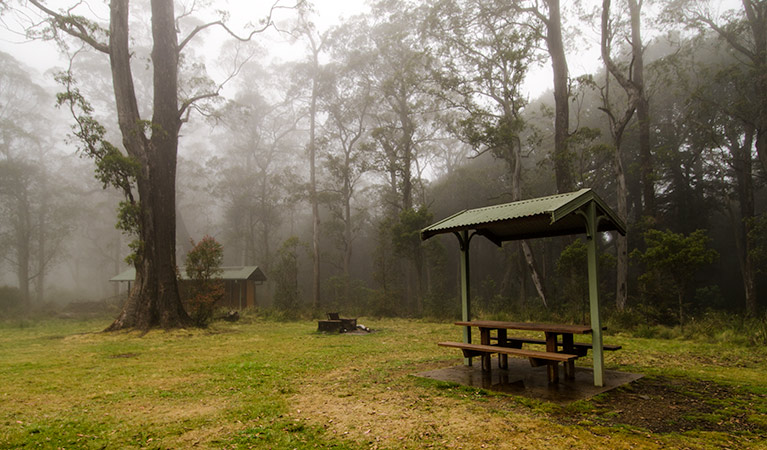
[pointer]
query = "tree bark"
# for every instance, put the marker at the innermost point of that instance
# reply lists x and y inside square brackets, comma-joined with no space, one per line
[556,49]
[23,245]
[313,185]
[643,112]
[753,48]
[42,227]
[617,127]
[741,221]
[756,18]
[154,300]
[348,230]
[621,241]
[515,162]
[534,274]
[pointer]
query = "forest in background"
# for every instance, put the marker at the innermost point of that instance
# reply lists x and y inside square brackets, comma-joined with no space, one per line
[323,170]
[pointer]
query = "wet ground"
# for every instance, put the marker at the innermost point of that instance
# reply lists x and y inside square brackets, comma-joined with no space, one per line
[675,405]
[522,379]
[657,404]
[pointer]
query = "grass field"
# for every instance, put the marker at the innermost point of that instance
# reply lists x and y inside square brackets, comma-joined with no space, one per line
[267,384]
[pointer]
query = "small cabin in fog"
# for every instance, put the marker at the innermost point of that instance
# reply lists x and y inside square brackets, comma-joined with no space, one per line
[240,282]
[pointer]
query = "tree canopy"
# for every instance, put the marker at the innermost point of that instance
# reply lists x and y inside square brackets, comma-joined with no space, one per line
[389,119]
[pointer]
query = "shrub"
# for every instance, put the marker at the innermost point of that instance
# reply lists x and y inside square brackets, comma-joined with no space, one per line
[384,303]
[10,299]
[203,267]
[285,275]
[345,294]
[671,261]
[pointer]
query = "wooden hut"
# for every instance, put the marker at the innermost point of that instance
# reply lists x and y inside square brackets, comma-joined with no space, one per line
[240,283]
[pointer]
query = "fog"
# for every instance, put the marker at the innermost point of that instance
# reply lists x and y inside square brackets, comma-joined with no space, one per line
[404,122]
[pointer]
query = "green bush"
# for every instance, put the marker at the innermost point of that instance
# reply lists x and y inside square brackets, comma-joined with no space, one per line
[10,300]
[384,304]
[285,275]
[346,295]
[203,267]
[442,307]
[671,262]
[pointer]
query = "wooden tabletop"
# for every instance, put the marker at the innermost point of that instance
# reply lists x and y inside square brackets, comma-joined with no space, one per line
[529,326]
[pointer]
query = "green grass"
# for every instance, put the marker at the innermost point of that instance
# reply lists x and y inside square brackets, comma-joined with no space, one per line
[267,384]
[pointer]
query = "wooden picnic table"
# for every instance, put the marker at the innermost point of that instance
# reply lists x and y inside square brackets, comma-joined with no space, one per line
[565,350]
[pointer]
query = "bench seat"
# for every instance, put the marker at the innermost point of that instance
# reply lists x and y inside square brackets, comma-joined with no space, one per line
[537,358]
[576,345]
[524,353]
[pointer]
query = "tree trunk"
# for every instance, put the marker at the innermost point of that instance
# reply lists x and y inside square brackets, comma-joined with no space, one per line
[23,244]
[22,262]
[756,18]
[617,127]
[534,274]
[348,231]
[515,163]
[643,112]
[406,146]
[556,49]
[41,247]
[154,300]
[520,263]
[621,242]
[313,192]
[741,221]
[117,261]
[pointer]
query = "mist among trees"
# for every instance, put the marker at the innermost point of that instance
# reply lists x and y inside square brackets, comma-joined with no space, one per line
[322,166]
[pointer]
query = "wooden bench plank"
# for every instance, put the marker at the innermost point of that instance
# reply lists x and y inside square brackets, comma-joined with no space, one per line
[537,358]
[524,353]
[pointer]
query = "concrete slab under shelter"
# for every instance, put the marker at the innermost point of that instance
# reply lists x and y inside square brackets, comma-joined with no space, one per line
[531,382]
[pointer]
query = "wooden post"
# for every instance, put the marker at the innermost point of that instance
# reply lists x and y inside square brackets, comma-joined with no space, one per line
[553,366]
[463,239]
[596,321]
[503,359]
[569,348]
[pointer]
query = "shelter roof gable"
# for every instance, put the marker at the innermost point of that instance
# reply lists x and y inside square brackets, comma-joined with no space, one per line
[554,215]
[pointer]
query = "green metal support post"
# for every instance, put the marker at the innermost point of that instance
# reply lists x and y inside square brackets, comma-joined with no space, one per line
[463,239]
[596,321]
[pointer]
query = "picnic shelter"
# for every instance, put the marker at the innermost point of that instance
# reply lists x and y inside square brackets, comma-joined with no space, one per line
[556,215]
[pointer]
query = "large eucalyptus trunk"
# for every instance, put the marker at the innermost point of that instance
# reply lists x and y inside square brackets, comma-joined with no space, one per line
[756,19]
[643,112]
[313,179]
[515,161]
[154,300]
[621,242]
[618,125]
[556,49]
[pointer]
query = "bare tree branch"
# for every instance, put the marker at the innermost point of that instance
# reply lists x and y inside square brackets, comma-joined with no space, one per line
[184,109]
[74,26]
[267,23]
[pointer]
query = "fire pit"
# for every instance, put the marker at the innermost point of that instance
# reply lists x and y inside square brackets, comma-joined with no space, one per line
[336,324]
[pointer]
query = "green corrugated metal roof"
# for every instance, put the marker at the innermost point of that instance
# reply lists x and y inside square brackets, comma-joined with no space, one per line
[252,273]
[554,215]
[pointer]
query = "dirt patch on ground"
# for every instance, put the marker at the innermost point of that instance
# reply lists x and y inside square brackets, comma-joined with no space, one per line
[397,414]
[667,405]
